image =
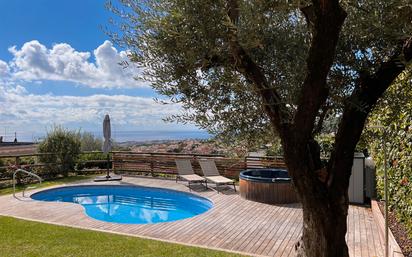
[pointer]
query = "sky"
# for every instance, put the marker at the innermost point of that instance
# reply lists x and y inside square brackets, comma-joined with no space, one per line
[58,67]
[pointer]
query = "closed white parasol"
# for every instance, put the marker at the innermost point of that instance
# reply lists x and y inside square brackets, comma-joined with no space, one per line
[107,134]
[107,147]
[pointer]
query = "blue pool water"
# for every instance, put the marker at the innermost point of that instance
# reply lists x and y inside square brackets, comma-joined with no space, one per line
[129,204]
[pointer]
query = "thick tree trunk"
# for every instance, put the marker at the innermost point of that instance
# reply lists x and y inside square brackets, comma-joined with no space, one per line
[322,190]
[324,229]
[325,204]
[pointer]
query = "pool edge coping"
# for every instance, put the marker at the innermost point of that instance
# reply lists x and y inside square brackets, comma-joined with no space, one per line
[40,190]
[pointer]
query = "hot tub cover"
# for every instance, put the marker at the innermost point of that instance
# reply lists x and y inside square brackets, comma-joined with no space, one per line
[266,175]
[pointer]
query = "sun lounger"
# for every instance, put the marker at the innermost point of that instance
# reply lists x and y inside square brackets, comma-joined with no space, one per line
[185,172]
[211,174]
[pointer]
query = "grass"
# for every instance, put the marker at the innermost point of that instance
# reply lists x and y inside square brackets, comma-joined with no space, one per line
[29,239]
[19,188]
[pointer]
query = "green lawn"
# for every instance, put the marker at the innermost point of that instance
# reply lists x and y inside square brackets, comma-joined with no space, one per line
[9,190]
[27,238]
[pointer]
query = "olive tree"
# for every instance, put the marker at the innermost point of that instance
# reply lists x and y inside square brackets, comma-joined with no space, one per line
[243,68]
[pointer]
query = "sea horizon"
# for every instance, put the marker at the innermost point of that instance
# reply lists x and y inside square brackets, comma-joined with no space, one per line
[119,136]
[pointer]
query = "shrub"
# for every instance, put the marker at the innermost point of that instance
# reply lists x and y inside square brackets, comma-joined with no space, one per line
[399,149]
[83,159]
[64,146]
[2,170]
[89,142]
[395,115]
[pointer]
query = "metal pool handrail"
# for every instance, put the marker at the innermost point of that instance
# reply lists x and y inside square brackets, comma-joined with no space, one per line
[28,173]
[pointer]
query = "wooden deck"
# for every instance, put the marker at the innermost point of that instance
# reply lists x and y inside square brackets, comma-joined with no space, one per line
[233,224]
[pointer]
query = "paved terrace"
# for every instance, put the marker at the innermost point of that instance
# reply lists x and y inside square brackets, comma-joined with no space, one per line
[233,224]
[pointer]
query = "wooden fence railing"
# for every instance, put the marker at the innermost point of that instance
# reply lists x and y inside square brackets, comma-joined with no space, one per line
[33,162]
[135,163]
[164,163]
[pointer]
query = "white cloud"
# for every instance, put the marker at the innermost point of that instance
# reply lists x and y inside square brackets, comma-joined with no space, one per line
[18,108]
[35,62]
[4,69]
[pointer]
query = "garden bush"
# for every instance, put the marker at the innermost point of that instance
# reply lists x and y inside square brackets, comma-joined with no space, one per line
[6,173]
[2,170]
[65,148]
[395,115]
[83,162]
[88,142]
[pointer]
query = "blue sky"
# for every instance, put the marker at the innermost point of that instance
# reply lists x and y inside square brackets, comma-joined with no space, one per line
[57,66]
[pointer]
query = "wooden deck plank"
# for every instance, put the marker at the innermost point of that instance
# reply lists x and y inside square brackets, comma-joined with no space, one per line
[216,231]
[265,232]
[272,231]
[291,238]
[276,249]
[358,250]
[248,243]
[234,229]
[217,220]
[232,224]
[350,235]
[248,227]
[278,231]
[378,245]
[290,248]
[365,234]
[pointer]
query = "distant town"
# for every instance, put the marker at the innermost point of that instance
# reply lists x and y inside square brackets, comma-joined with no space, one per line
[192,146]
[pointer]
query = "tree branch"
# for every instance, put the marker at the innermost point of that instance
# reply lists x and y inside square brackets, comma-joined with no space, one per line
[327,22]
[357,107]
[319,125]
[272,102]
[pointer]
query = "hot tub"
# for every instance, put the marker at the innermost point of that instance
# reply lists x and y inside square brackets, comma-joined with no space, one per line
[272,186]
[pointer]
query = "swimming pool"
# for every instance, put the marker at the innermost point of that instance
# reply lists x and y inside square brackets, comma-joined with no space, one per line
[129,204]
